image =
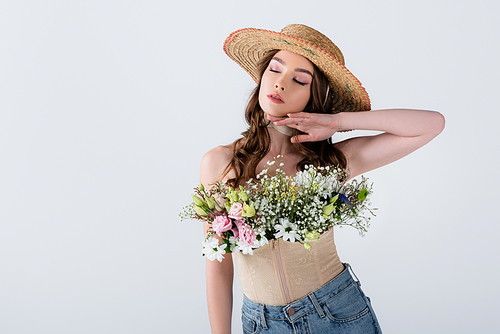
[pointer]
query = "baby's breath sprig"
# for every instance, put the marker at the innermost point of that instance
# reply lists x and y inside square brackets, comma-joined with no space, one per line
[273,205]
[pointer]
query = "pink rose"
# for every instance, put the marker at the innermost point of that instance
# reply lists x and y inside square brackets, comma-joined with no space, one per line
[221,224]
[236,210]
[246,234]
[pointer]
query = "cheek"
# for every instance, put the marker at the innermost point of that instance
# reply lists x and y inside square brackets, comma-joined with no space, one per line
[264,82]
[261,96]
[264,87]
[303,99]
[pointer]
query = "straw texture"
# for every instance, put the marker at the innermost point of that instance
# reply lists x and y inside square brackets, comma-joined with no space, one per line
[247,46]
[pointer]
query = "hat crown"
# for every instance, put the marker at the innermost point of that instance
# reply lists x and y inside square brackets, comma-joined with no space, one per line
[313,37]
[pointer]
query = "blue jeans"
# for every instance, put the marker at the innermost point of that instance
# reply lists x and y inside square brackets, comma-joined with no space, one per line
[339,306]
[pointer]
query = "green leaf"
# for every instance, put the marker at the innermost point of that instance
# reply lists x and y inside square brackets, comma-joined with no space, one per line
[228,247]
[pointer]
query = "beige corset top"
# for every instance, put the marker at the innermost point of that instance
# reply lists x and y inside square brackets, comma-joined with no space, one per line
[282,271]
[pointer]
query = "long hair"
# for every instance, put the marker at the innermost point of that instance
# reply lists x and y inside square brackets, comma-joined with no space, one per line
[253,147]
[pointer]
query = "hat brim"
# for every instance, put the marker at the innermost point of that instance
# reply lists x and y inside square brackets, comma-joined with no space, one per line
[247,46]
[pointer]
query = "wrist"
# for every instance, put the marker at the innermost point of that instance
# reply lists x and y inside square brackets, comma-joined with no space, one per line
[338,122]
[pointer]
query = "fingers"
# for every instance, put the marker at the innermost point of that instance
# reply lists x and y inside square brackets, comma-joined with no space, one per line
[290,118]
[301,139]
[299,115]
[301,124]
[293,122]
[275,118]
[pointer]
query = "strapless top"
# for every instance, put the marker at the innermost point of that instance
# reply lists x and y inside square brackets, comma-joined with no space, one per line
[282,271]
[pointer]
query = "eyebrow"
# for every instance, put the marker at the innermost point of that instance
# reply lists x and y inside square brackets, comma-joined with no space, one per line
[281,61]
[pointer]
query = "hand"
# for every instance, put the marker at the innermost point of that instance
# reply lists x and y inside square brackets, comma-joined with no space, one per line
[317,127]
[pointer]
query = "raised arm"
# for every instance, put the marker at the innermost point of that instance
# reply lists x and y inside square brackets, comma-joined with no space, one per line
[219,275]
[404,131]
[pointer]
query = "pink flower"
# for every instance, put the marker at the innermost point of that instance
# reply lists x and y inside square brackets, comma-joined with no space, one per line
[221,224]
[246,234]
[235,232]
[220,199]
[236,210]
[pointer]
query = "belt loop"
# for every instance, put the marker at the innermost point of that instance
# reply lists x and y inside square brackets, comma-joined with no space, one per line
[316,304]
[263,318]
[352,271]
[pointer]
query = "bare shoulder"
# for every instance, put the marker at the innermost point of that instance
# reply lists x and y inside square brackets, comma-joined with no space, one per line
[214,163]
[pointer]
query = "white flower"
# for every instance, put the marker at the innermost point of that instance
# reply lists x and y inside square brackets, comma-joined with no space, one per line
[259,243]
[212,250]
[287,230]
[232,244]
[302,197]
[302,180]
[244,248]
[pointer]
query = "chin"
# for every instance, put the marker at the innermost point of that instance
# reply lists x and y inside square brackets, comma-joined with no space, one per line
[276,114]
[272,111]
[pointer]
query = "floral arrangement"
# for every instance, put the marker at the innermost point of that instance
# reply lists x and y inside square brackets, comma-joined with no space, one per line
[274,205]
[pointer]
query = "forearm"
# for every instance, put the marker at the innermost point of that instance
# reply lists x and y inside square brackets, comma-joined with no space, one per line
[400,122]
[220,294]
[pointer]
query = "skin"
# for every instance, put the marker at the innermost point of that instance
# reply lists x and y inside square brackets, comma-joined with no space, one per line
[288,75]
[403,131]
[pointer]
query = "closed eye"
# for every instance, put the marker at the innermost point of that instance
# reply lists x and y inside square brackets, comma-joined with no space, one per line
[299,82]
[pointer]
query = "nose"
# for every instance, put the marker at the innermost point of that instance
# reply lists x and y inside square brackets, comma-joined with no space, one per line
[279,86]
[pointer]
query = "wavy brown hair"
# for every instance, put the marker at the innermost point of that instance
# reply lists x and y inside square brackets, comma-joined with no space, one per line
[249,150]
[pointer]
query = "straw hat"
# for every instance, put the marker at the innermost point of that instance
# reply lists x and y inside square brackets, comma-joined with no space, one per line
[247,46]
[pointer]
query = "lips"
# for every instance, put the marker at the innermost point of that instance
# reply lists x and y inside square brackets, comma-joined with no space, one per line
[275,97]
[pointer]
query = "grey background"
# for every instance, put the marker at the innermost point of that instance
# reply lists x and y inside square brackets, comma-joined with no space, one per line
[106,108]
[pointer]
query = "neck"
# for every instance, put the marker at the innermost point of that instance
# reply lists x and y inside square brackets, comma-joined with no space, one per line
[280,140]
[283,129]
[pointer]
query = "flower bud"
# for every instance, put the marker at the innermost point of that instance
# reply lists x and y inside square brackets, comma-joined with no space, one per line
[362,194]
[201,187]
[312,236]
[210,203]
[333,199]
[233,196]
[198,201]
[248,210]
[327,210]
[199,210]
[243,196]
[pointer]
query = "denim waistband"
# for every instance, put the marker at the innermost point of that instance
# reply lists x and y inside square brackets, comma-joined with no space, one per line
[298,308]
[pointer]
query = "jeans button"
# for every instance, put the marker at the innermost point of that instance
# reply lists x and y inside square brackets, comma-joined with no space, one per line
[291,311]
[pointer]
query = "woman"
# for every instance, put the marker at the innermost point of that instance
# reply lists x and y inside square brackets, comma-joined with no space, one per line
[304,95]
